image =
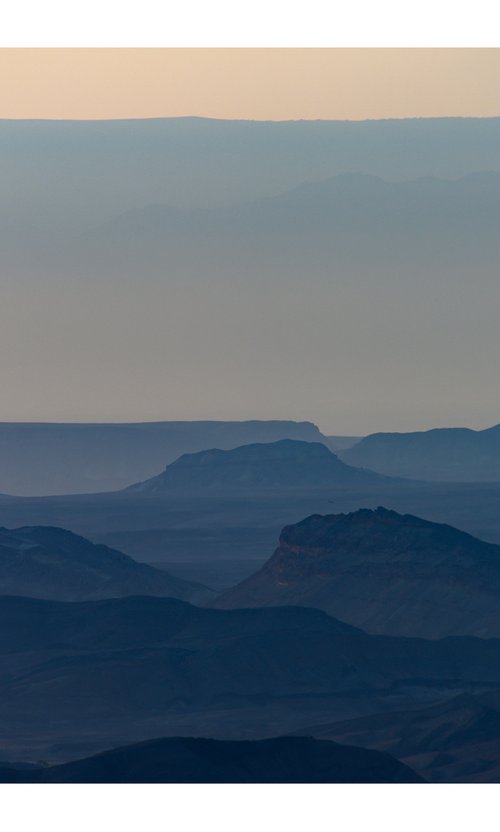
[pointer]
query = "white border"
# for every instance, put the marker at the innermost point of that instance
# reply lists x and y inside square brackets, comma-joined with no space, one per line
[249,808]
[266,23]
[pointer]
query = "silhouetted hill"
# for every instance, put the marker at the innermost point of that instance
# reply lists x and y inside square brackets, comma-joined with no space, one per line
[453,454]
[109,672]
[287,463]
[353,203]
[47,458]
[53,563]
[386,572]
[201,161]
[193,760]
[455,741]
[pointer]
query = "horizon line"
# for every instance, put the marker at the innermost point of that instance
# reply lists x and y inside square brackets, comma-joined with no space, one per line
[114,422]
[99,119]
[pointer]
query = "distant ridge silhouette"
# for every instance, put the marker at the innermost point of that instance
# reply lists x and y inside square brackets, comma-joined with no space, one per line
[287,463]
[453,454]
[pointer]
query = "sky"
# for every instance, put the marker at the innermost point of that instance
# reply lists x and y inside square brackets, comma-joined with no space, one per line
[260,84]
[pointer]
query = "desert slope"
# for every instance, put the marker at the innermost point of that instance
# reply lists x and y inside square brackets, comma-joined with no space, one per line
[382,571]
[53,563]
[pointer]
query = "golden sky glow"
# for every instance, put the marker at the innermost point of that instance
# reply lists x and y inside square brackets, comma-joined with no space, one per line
[249,83]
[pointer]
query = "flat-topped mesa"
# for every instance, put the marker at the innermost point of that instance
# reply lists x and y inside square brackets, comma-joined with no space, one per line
[288,463]
[68,458]
[382,571]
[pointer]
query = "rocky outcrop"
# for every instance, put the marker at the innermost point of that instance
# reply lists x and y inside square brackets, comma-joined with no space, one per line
[382,571]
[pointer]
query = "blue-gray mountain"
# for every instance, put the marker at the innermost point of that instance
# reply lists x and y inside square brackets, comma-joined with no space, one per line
[453,454]
[45,458]
[350,203]
[285,464]
[352,224]
[53,563]
[382,571]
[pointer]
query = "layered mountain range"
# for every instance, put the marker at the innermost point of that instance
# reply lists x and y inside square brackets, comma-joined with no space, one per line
[108,672]
[198,266]
[355,203]
[51,458]
[201,162]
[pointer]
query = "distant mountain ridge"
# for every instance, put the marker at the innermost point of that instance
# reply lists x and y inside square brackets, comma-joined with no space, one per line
[202,161]
[288,463]
[51,458]
[447,454]
[53,563]
[349,202]
[382,571]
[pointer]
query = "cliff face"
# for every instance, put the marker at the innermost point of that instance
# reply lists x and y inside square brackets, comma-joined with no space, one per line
[382,571]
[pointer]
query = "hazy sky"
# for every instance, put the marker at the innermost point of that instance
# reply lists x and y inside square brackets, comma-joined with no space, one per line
[249,83]
[358,334]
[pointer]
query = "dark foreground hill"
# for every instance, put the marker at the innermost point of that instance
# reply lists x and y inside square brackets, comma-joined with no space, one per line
[287,463]
[192,760]
[76,678]
[455,741]
[382,571]
[448,454]
[50,458]
[53,563]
